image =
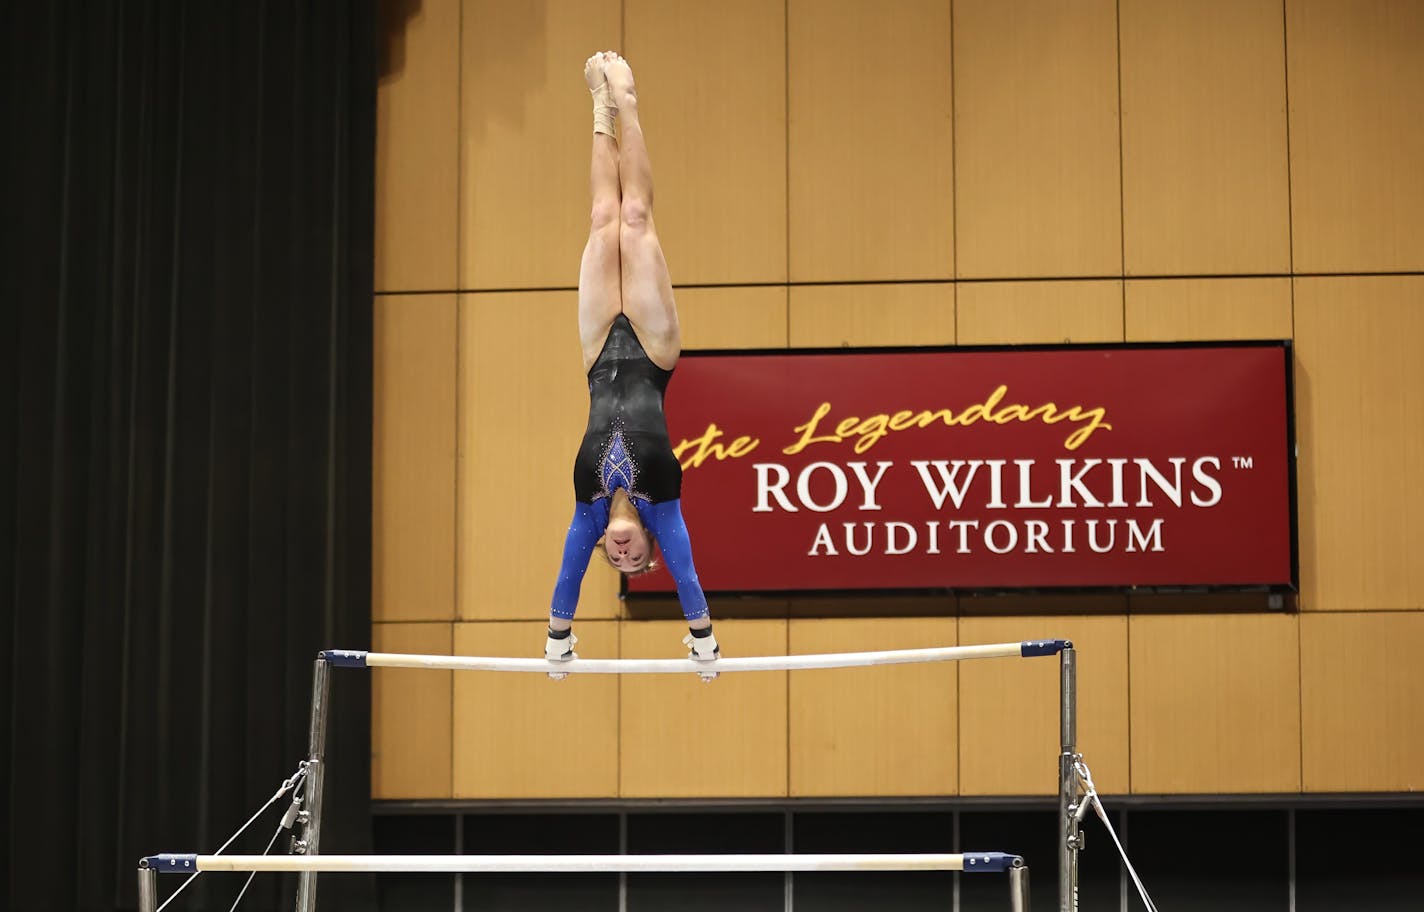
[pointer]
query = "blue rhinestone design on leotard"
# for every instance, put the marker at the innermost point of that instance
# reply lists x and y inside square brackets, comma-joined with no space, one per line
[616,466]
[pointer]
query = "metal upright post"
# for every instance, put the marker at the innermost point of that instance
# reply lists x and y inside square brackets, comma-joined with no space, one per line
[147,889]
[1018,887]
[1069,839]
[310,843]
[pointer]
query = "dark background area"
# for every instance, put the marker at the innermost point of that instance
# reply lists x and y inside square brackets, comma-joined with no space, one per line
[185,467]
[1234,855]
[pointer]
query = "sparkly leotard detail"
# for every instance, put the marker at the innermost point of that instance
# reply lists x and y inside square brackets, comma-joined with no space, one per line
[616,466]
[626,443]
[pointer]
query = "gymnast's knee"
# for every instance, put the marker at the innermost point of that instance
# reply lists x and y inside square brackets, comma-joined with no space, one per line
[604,215]
[636,215]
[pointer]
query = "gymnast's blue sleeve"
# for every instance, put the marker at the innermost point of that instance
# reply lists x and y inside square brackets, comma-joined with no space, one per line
[665,521]
[587,525]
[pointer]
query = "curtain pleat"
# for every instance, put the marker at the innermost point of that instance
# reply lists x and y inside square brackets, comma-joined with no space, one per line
[185,469]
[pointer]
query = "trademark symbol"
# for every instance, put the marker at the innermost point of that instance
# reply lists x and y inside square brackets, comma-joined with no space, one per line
[1241,462]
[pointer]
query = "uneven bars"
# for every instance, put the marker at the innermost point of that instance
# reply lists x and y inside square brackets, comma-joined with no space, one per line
[970,862]
[351,658]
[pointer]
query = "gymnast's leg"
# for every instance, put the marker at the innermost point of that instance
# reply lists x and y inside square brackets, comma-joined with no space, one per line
[600,292]
[647,287]
[600,283]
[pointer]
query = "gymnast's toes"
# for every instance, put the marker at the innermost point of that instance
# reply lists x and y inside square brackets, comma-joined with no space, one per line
[620,77]
[593,71]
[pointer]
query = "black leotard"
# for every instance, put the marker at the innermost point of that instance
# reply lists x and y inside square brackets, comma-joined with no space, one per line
[626,445]
[626,442]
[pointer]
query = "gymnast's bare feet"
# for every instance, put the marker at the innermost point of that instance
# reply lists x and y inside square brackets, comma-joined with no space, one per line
[593,72]
[620,79]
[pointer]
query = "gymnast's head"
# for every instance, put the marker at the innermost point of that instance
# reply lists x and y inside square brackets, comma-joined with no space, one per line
[628,546]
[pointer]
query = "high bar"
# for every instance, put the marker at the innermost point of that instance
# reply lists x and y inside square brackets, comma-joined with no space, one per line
[351,658]
[569,864]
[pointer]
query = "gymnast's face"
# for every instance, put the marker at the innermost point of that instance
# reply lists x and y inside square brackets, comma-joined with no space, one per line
[627,545]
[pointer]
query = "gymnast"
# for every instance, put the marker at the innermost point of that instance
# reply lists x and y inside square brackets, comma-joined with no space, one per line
[627,482]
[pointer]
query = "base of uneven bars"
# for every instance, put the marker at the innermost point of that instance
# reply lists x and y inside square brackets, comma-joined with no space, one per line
[969,862]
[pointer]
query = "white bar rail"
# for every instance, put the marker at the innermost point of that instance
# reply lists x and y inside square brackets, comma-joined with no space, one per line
[489,864]
[356,659]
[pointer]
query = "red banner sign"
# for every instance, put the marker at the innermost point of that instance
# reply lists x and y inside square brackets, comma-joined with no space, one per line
[1119,466]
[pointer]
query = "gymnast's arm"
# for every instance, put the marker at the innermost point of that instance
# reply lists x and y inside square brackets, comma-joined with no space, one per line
[665,521]
[584,529]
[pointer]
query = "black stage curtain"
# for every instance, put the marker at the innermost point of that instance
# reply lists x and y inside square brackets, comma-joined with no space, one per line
[185,470]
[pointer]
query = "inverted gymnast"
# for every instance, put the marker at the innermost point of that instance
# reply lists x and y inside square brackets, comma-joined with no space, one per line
[627,482]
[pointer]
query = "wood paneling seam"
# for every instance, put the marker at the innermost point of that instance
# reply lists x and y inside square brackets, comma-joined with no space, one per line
[974,280]
[954,273]
[1290,195]
[1127,636]
[786,161]
[1290,261]
[459,387]
[1121,169]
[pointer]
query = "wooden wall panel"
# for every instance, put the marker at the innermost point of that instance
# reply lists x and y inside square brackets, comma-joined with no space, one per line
[526,126]
[482,183]
[523,408]
[1023,313]
[712,98]
[1362,702]
[1009,708]
[413,459]
[870,140]
[526,736]
[417,146]
[682,738]
[828,316]
[1357,137]
[411,716]
[873,731]
[1178,310]
[1037,185]
[732,317]
[1215,703]
[1360,426]
[1205,181]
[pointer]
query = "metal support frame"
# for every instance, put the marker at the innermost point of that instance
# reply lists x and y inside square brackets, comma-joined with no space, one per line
[147,889]
[309,842]
[1018,887]
[1069,836]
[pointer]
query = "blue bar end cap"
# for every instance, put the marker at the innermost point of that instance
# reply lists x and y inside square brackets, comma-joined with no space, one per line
[976,862]
[171,863]
[1030,648]
[344,658]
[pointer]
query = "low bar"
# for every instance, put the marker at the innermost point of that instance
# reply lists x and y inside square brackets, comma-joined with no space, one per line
[347,658]
[581,864]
